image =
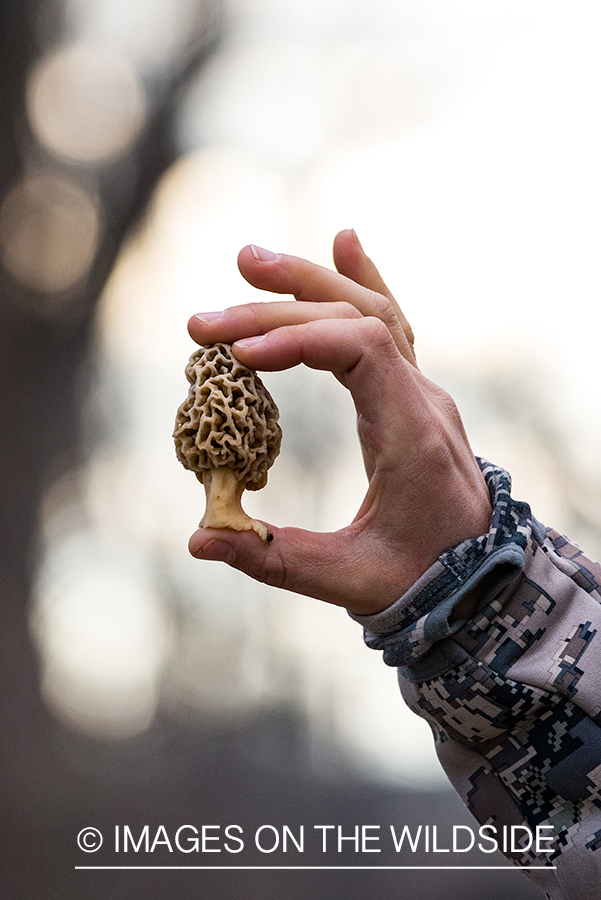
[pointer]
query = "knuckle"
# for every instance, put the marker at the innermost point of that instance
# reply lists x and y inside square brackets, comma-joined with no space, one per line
[375,331]
[254,311]
[302,274]
[346,310]
[271,570]
[380,306]
[448,408]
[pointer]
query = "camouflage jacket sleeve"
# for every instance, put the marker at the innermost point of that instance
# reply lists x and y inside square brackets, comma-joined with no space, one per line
[513,696]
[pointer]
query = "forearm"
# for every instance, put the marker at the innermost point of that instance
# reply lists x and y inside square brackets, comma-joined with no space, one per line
[516,684]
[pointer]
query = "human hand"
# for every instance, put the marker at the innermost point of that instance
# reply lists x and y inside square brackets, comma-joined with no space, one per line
[425,493]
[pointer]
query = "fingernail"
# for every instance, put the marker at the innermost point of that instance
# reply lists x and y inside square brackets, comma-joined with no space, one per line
[263,255]
[356,238]
[250,341]
[216,550]
[209,316]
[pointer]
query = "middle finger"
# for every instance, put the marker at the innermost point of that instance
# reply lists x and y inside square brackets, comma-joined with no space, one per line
[253,319]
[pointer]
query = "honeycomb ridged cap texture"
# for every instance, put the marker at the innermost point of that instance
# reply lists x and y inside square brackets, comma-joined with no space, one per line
[229,419]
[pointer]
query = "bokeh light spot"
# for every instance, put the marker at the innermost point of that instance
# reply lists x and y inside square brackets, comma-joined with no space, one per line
[102,636]
[49,229]
[85,104]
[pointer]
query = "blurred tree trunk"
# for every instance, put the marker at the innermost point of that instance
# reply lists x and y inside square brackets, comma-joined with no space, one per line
[41,360]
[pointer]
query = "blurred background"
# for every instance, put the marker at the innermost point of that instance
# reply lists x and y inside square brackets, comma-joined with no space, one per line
[142,145]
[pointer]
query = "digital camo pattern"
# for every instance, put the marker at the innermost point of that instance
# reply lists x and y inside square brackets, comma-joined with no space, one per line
[513,696]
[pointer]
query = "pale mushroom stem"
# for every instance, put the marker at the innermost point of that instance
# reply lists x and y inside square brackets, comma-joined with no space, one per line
[224,508]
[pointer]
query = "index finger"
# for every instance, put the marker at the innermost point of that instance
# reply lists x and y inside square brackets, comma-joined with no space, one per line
[363,355]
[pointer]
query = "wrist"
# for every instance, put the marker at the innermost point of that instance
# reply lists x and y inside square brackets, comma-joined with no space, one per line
[462,577]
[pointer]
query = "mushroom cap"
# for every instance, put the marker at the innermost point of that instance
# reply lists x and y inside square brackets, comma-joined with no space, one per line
[229,419]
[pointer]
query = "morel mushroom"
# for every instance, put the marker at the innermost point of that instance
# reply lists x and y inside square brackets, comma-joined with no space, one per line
[227,433]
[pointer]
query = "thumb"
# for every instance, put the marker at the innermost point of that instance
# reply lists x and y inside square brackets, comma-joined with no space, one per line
[334,567]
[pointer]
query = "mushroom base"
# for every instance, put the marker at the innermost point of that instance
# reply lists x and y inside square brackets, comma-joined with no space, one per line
[224,508]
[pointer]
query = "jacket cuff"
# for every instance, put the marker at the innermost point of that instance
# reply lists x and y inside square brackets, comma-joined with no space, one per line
[420,618]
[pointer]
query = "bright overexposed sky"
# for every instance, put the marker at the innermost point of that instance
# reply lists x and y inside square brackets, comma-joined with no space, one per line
[461,140]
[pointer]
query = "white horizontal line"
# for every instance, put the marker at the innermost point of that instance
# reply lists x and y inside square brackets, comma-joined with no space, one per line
[305,868]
